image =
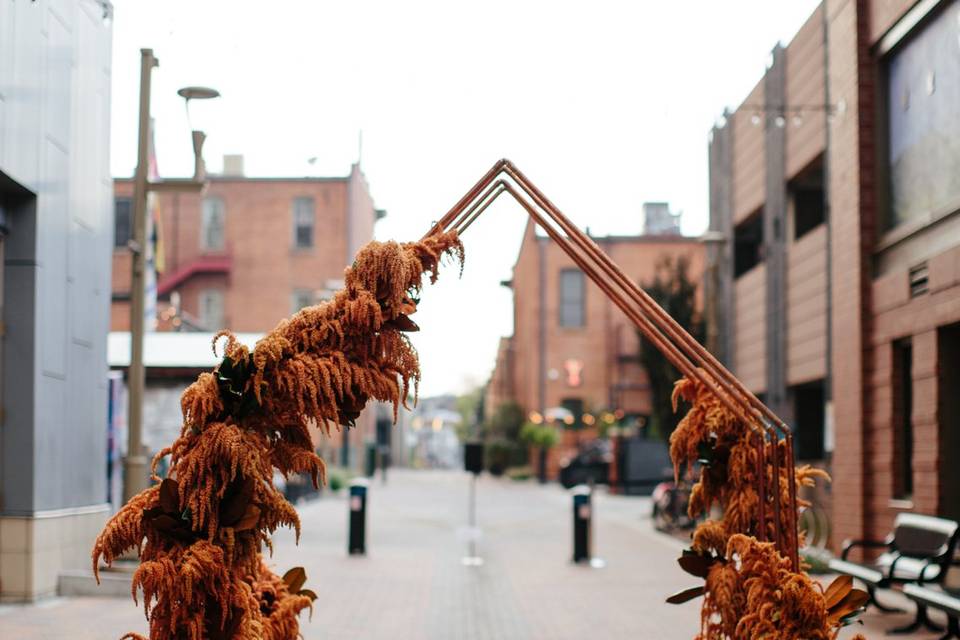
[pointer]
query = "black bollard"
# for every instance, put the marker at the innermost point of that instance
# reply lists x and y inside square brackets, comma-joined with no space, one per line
[582,513]
[357,537]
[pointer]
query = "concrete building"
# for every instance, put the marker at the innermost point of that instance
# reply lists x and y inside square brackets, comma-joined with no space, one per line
[571,346]
[242,255]
[835,184]
[54,281]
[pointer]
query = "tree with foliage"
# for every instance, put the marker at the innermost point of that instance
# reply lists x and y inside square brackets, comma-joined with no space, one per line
[502,438]
[673,290]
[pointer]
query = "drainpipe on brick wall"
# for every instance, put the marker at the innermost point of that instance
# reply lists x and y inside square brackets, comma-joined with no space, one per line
[542,322]
[828,377]
[774,230]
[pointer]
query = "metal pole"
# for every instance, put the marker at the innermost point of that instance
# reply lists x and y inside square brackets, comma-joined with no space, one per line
[135,463]
[473,516]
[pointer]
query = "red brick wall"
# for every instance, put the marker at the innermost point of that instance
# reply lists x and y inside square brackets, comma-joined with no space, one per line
[606,335]
[266,268]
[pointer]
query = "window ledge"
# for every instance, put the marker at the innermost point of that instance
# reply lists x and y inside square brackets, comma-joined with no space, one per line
[904,504]
[915,225]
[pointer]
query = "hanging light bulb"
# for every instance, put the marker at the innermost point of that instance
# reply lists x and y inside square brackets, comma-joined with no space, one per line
[797,120]
[780,121]
[755,119]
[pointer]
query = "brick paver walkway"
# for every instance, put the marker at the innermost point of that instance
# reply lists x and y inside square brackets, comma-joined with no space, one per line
[412,585]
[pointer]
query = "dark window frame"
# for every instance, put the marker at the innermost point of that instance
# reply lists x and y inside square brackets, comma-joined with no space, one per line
[122,221]
[304,230]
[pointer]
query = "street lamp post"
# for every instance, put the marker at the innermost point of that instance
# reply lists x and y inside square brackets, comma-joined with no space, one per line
[135,463]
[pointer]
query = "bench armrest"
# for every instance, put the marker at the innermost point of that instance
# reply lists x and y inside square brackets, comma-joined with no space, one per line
[871,544]
[933,562]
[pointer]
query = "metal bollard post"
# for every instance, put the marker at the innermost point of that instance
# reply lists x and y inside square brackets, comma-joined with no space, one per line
[582,513]
[357,538]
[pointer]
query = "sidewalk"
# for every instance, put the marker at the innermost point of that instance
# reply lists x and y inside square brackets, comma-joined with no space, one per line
[412,585]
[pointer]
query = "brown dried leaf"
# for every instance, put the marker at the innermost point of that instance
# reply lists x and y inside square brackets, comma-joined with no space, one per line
[249,519]
[837,591]
[854,601]
[169,496]
[295,578]
[686,595]
[695,564]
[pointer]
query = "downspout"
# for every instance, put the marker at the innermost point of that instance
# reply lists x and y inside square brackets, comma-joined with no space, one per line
[827,115]
[542,328]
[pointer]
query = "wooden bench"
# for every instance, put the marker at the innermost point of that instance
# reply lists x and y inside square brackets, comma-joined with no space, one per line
[919,549]
[944,596]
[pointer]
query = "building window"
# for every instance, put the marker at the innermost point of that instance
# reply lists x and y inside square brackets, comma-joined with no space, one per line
[902,423]
[211,309]
[809,409]
[303,220]
[809,207]
[923,85]
[748,244]
[213,225]
[572,298]
[122,221]
[302,298]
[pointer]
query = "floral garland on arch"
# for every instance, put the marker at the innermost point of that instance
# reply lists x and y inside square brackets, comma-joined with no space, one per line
[200,531]
[750,590]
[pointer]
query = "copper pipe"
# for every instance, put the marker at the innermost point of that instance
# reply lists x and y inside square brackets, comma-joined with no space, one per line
[761,489]
[775,448]
[614,272]
[649,305]
[496,189]
[706,358]
[794,516]
[468,196]
[661,329]
[668,350]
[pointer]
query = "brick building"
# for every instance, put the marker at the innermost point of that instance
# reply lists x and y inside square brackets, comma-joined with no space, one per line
[571,346]
[248,251]
[243,255]
[836,186]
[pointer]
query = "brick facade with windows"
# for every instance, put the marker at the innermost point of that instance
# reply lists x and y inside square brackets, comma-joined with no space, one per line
[242,256]
[855,109]
[263,242]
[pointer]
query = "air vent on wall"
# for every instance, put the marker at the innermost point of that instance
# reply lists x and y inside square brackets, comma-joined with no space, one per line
[918,280]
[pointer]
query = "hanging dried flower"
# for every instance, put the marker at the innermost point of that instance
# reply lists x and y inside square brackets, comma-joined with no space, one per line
[200,532]
[750,590]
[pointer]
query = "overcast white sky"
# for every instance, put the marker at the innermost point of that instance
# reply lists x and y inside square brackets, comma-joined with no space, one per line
[603,104]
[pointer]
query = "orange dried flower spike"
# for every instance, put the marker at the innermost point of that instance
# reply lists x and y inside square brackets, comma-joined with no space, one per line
[200,532]
[750,591]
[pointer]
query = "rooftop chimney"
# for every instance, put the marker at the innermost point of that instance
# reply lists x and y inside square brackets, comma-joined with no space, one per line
[233,165]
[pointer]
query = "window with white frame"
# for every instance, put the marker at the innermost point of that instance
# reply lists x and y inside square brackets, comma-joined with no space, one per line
[301,298]
[303,222]
[572,298]
[210,309]
[213,224]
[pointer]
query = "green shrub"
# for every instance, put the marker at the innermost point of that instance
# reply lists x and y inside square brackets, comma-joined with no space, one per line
[520,473]
[501,453]
[337,479]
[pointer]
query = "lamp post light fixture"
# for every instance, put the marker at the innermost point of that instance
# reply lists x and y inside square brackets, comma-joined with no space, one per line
[198,136]
[135,463]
